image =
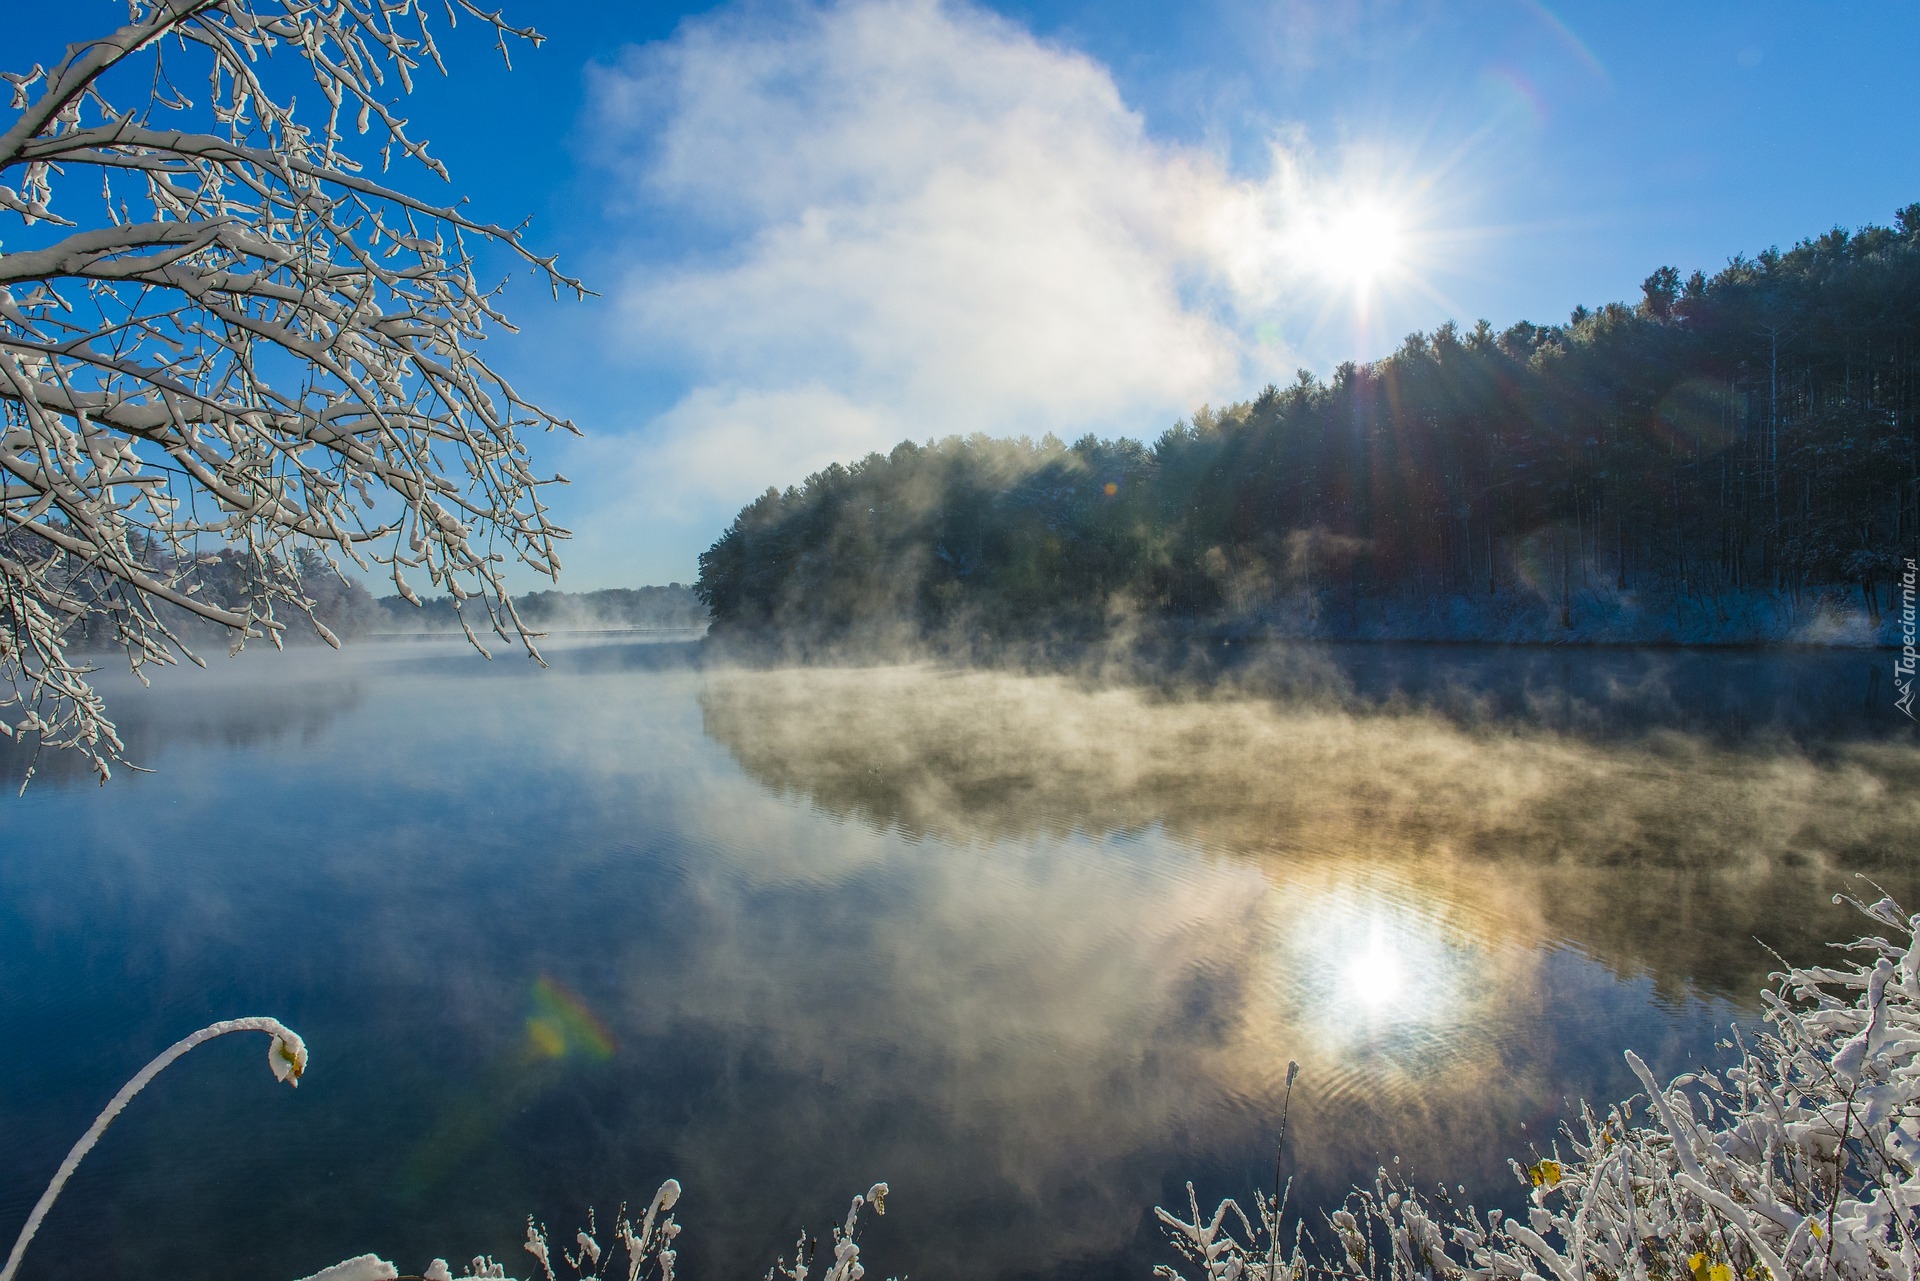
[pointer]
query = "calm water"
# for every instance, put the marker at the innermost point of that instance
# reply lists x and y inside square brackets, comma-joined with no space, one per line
[1034,950]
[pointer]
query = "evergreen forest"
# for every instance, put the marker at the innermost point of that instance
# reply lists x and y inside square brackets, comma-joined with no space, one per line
[1741,441]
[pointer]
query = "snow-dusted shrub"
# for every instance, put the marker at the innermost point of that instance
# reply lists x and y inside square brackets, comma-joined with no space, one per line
[644,1253]
[1797,1161]
[650,1253]
[635,1252]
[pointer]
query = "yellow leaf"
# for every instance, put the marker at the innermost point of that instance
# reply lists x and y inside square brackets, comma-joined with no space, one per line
[1545,1174]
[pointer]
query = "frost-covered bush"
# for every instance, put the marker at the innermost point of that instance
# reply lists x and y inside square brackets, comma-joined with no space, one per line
[1798,1161]
[650,1254]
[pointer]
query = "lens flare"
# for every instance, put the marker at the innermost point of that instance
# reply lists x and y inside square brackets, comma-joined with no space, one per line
[562,1023]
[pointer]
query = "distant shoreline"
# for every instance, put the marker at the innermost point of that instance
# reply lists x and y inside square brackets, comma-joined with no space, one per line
[688,633]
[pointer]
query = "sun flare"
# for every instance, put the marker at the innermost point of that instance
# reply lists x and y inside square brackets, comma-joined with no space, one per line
[1361,243]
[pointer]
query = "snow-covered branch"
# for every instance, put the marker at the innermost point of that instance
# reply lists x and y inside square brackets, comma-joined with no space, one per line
[247,341]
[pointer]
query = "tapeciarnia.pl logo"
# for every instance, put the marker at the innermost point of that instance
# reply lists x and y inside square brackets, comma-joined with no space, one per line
[1903,665]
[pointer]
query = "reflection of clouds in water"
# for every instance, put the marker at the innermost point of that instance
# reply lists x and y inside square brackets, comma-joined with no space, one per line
[1513,819]
[1062,957]
[1424,896]
[1064,1039]
[1072,1020]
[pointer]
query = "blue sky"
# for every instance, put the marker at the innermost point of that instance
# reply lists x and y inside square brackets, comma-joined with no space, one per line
[818,229]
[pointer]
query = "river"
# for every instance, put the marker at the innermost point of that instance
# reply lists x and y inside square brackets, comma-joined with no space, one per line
[1036,948]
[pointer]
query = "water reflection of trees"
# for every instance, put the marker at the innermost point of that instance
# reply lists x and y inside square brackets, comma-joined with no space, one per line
[1663,854]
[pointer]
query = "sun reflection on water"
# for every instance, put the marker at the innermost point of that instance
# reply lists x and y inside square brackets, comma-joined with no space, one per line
[1373,977]
[1370,984]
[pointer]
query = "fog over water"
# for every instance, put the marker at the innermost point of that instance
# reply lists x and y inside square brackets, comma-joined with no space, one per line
[1035,948]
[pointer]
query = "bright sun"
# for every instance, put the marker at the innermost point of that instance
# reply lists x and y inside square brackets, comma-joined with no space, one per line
[1359,244]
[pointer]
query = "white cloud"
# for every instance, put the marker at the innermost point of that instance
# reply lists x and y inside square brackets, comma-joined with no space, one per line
[718,438]
[910,218]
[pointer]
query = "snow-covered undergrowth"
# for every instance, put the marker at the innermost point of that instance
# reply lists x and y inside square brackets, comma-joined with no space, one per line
[1799,1160]
[635,1253]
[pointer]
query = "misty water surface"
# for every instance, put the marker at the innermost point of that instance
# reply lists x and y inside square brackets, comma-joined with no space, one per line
[1034,948]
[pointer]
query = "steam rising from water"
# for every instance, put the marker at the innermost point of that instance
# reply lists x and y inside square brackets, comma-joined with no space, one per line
[1397,901]
[1527,830]
[945,751]
[1033,949]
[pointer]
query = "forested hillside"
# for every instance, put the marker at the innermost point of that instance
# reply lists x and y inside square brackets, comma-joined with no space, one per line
[1733,454]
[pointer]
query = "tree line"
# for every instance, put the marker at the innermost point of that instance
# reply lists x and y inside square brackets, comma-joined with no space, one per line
[673,607]
[1753,431]
[342,605]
